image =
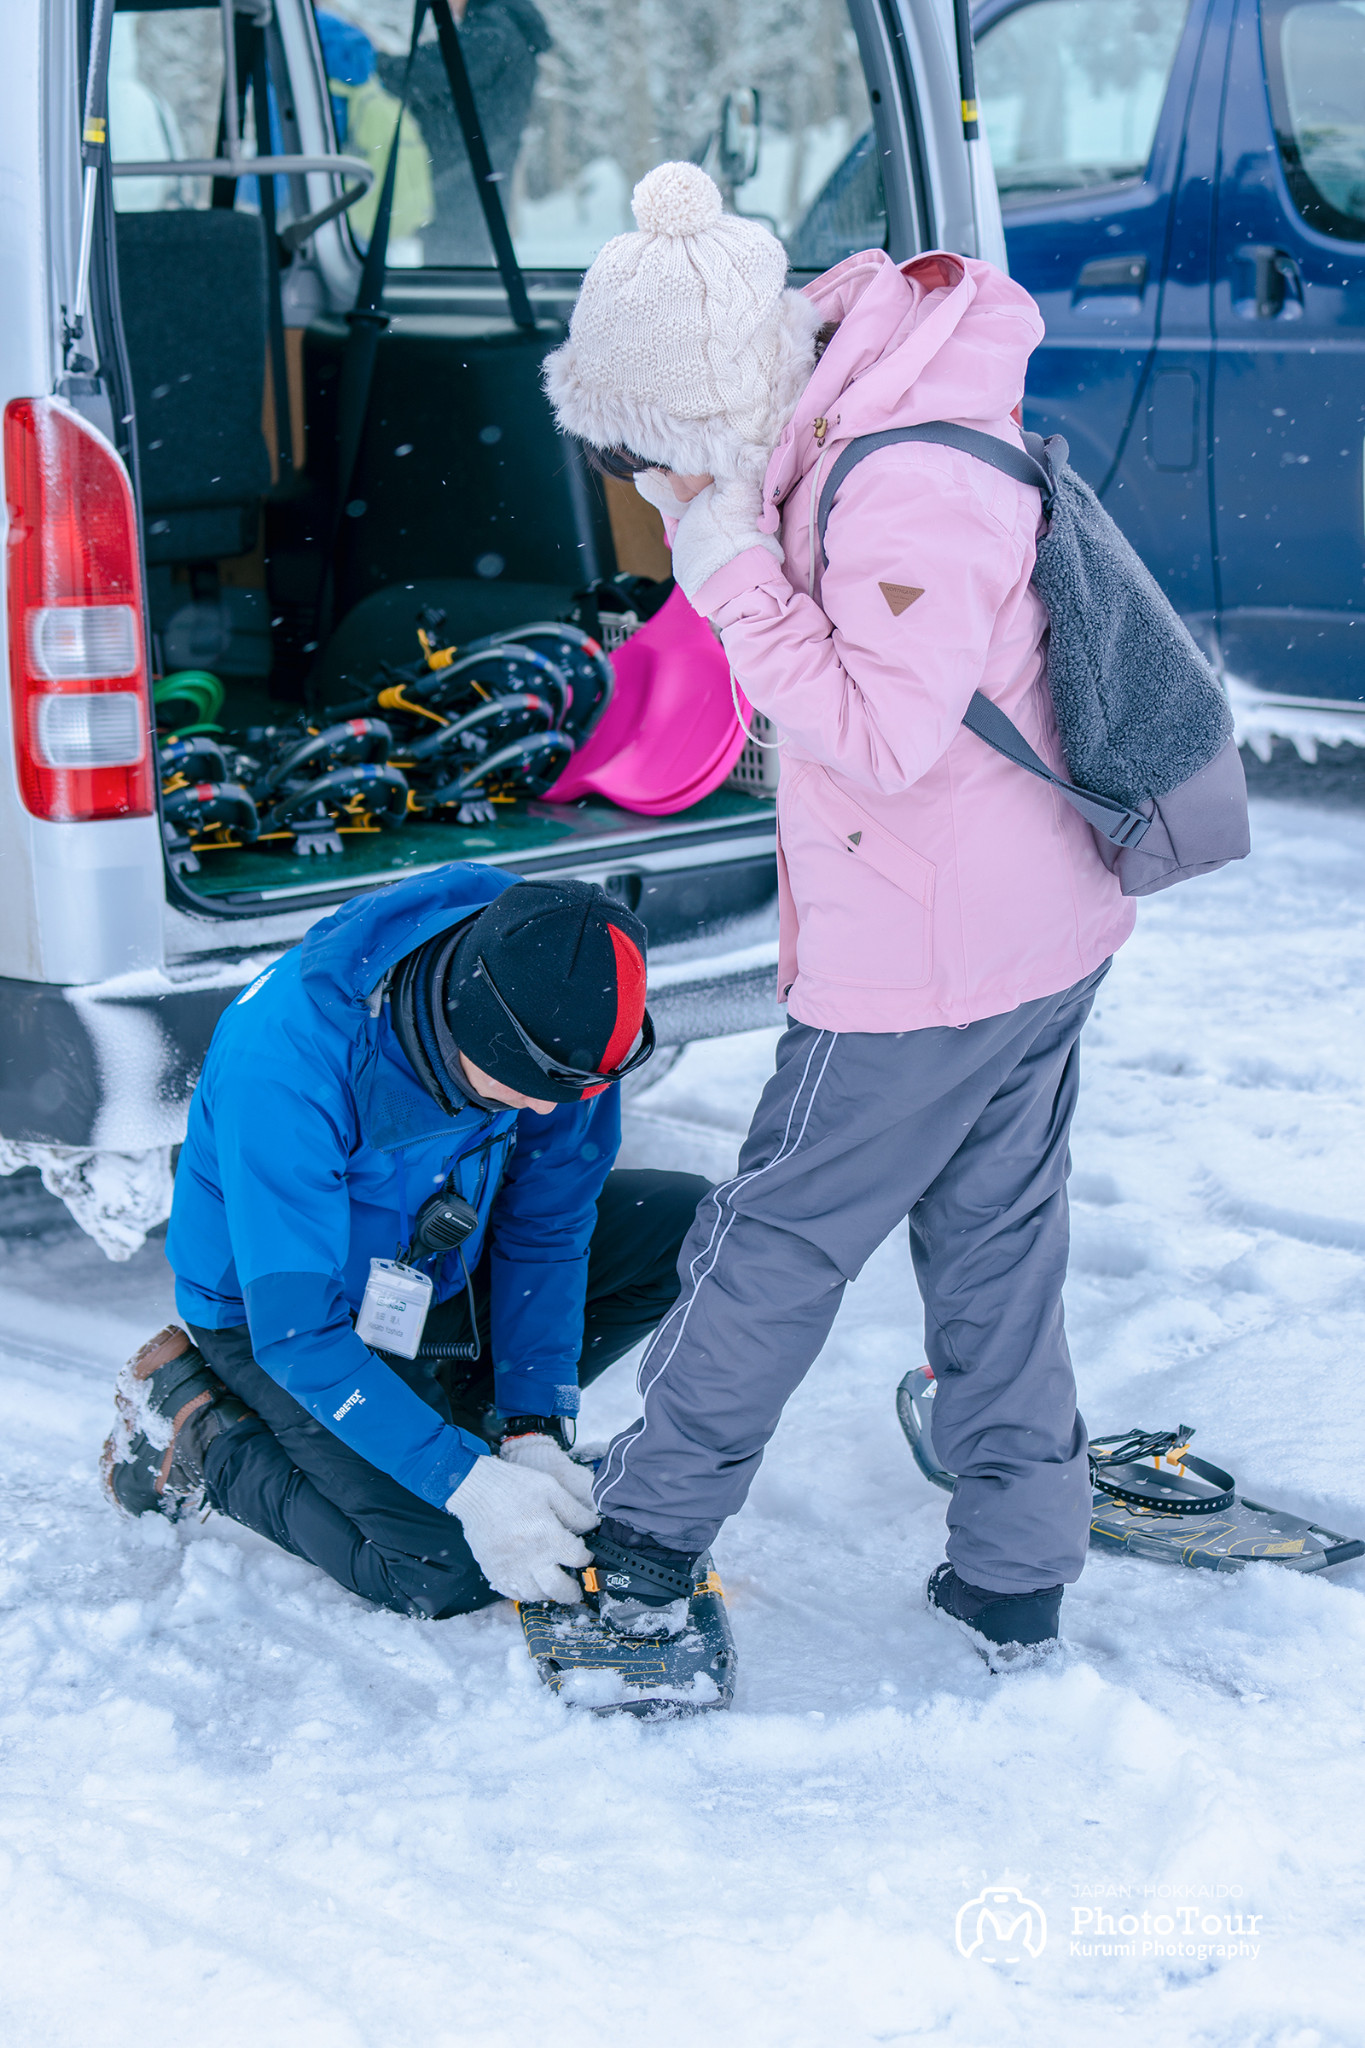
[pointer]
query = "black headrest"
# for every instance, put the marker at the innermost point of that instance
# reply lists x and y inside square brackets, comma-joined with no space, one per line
[193,291]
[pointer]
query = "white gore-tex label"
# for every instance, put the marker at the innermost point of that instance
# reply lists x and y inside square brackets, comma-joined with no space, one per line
[394,1310]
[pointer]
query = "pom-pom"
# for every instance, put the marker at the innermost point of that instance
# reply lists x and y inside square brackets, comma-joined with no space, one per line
[676,199]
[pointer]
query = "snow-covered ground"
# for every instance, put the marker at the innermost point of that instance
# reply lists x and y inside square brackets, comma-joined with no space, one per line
[238,1807]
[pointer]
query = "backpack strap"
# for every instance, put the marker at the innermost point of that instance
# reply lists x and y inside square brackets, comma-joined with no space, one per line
[1113,821]
[1002,455]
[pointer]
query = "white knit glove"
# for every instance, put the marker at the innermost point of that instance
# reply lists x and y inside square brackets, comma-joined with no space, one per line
[537,1453]
[655,486]
[718,524]
[523,1528]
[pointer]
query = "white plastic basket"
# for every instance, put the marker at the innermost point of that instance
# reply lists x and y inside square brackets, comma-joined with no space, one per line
[757,768]
[617,628]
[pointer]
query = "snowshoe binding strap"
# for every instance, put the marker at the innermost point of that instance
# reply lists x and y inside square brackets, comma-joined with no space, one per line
[1192,1487]
[620,1571]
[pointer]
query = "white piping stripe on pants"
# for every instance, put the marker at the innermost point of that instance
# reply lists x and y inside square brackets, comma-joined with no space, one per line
[724,1194]
[962,1131]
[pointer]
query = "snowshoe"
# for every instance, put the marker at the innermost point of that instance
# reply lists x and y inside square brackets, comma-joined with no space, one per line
[199,806]
[637,1645]
[471,738]
[525,767]
[306,759]
[197,759]
[1153,1499]
[364,798]
[169,1408]
[580,659]
[915,1409]
[501,669]
[202,806]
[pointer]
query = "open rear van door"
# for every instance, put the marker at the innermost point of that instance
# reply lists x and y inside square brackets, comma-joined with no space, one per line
[179,259]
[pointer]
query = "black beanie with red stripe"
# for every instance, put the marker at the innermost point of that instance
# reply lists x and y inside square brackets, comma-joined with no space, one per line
[570,966]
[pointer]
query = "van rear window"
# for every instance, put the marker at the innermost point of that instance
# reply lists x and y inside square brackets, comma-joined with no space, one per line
[165,92]
[578,102]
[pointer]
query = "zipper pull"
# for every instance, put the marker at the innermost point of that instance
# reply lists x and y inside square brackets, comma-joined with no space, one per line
[821,429]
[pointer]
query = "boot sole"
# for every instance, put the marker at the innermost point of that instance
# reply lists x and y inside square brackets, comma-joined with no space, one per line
[136,1418]
[131,1388]
[118,1454]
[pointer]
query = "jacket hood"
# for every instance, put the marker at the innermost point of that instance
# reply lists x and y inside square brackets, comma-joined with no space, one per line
[346,956]
[941,337]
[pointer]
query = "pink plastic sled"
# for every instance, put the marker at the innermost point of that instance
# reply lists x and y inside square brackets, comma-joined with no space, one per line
[670,735]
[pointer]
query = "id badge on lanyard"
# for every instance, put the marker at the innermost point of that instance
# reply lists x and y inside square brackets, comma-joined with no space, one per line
[397,1298]
[393,1311]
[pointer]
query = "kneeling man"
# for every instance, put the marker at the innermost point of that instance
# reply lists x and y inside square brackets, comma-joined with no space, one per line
[411,1117]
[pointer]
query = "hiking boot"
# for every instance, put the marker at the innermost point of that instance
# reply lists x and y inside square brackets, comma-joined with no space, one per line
[170,1407]
[1008,1625]
[642,1589]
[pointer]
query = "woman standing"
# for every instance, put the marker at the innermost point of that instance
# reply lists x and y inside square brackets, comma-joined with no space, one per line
[946,919]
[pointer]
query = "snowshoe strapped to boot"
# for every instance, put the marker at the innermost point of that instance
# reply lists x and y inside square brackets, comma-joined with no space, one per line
[649,1659]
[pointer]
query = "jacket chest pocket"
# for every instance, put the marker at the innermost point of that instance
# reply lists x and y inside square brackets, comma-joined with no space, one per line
[864,898]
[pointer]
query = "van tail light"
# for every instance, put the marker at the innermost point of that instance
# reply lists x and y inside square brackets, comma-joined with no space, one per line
[78,678]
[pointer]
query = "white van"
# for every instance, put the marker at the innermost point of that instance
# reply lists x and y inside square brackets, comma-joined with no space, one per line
[206,538]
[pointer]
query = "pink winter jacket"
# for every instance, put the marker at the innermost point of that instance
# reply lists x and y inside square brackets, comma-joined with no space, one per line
[924,880]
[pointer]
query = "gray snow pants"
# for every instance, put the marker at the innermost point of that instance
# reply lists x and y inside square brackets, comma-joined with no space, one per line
[963,1131]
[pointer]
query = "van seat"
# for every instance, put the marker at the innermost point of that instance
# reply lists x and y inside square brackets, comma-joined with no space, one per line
[193,292]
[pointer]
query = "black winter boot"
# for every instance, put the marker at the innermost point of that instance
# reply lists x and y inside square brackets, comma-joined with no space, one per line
[170,1409]
[642,1589]
[1008,1623]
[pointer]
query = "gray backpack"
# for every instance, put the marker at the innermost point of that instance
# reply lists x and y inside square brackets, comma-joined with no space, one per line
[1145,727]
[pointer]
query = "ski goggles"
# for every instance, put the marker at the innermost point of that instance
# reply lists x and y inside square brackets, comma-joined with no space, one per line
[620,463]
[555,1069]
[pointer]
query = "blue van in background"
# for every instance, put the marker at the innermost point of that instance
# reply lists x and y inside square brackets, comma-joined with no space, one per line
[1183,190]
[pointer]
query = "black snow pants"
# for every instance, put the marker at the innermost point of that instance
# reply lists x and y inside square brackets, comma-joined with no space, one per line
[284,1474]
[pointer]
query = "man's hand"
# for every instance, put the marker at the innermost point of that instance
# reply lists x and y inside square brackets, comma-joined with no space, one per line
[524,1528]
[537,1453]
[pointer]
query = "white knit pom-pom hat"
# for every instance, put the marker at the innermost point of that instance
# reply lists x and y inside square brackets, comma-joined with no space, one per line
[684,346]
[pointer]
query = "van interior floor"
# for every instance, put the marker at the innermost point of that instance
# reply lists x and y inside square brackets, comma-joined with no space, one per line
[236,875]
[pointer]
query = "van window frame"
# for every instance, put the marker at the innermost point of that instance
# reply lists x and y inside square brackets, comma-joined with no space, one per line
[476,288]
[988,19]
[1313,206]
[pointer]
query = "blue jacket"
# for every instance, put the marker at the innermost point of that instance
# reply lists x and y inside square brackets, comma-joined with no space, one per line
[311,1145]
